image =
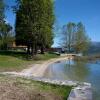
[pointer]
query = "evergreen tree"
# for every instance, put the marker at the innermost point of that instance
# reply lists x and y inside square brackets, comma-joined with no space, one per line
[2,8]
[34,21]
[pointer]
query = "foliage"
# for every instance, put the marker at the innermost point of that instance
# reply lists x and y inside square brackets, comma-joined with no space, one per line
[5,29]
[34,23]
[5,36]
[82,40]
[69,35]
[2,8]
[75,37]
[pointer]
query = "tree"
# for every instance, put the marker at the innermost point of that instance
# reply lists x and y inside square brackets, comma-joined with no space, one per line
[82,40]
[47,20]
[5,36]
[22,27]
[34,21]
[69,35]
[2,8]
[5,28]
[75,37]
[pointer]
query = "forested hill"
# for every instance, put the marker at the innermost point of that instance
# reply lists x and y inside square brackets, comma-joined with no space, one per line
[94,48]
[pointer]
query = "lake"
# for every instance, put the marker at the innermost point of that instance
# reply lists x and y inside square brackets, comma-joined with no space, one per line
[77,71]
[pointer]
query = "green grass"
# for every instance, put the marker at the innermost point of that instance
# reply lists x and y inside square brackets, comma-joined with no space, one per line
[9,63]
[62,91]
[30,85]
[15,61]
[45,56]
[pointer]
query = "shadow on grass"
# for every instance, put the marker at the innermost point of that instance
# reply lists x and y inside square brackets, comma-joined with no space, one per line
[18,54]
[24,56]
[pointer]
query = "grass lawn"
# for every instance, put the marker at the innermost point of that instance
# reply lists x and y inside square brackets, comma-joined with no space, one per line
[15,61]
[12,88]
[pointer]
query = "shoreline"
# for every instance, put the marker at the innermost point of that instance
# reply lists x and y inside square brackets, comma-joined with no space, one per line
[37,70]
[80,90]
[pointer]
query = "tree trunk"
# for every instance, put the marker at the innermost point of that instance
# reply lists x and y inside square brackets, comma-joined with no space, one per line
[32,51]
[28,49]
[42,50]
[35,49]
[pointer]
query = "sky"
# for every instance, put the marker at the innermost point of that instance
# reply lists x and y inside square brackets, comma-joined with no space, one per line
[86,11]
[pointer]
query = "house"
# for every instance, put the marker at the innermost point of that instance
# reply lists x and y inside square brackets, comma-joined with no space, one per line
[54,49]
[12,46]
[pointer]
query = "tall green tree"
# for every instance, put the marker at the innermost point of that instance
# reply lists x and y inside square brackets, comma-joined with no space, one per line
[34,21]
[2,8]
[47,20]
[22,27]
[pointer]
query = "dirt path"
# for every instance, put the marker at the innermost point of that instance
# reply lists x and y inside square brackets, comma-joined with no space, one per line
[37,70]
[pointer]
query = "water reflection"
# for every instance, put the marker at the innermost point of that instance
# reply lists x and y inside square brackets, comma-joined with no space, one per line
[77,70]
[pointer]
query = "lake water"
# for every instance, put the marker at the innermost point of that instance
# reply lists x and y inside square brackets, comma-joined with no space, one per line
[78,71]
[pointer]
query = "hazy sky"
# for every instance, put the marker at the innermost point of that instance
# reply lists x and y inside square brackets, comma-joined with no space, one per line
[86,11]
